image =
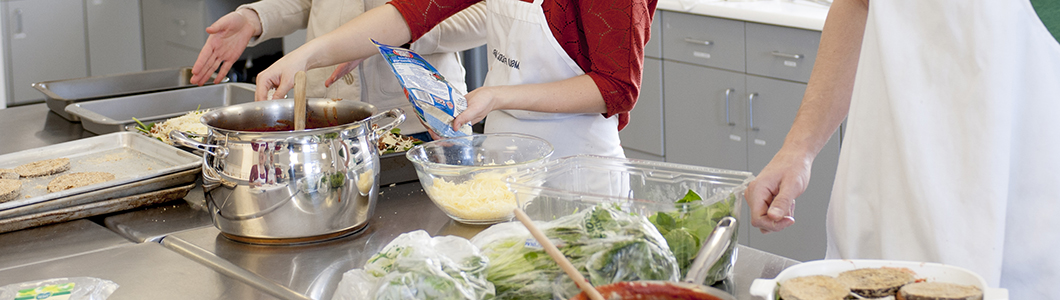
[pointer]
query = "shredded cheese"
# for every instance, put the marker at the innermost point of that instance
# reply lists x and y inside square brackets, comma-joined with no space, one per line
[483,198]
[187,123]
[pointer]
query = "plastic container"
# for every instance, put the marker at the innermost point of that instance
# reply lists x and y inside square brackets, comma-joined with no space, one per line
[564,186]
[466,176]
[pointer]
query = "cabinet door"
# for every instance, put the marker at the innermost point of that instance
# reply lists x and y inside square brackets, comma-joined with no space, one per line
[173,32]
[115,43]
[645,130]
[45,40]
[703,126]
[773,110]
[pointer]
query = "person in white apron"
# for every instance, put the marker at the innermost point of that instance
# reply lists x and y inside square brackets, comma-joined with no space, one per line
[950,149]
[533,86]
[528,39]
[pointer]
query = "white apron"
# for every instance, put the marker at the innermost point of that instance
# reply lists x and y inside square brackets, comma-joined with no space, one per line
[951,150]
[522,50]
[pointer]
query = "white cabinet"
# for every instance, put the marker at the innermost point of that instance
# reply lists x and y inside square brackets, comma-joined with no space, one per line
[43,40]
[730,93]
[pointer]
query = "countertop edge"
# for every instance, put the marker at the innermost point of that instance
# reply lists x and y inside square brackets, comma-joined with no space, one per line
[773,13]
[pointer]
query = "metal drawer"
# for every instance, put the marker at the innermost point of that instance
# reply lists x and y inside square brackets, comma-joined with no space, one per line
[706,41]
[781,52]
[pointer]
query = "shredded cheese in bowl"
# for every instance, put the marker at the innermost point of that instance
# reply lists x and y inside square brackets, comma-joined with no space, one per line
[484,198]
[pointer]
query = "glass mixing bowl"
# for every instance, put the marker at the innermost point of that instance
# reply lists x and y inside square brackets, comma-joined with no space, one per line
[466,176]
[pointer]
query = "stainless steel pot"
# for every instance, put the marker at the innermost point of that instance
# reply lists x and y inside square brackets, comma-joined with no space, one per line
[266,183]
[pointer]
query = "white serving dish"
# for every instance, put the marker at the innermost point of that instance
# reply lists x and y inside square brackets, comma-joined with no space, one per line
[931,272]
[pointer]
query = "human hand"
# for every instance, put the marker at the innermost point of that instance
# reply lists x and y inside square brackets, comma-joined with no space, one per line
[771,196]
[279,76]
[480,103]
[341,70]
[228,38]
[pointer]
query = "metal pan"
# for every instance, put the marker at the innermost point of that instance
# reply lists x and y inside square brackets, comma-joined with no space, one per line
[116,114]
[131,157]
[691,287]
[94,209]
[60,93]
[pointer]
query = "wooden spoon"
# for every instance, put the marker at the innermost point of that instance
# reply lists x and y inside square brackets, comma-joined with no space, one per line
[552,251]
[299,100]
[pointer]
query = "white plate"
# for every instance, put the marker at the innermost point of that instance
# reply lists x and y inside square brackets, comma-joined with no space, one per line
[931,272]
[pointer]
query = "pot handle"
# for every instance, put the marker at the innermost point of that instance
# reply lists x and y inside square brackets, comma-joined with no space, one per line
[397,113]
[712,250]
[181,138]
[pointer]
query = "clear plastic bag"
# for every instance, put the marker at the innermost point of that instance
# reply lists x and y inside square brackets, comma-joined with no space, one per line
[72,288]
[605,244]
[417,266]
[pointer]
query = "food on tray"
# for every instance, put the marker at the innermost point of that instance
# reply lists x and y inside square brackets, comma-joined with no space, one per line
[417,266]
[484,197]
[43,167]
[9,189]
[939,291]
[8,174]
[691,224]
[187,123]
[393,141]
[76,180]
[604,243]
[816,287]
[876,282]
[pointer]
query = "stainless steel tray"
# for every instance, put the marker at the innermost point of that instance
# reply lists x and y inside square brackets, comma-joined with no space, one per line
[132,188]
[131,157]
[60,93]
[94,209]
[395,168]
[116,114]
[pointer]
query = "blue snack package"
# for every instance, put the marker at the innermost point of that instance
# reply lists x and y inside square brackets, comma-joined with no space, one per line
[436,101]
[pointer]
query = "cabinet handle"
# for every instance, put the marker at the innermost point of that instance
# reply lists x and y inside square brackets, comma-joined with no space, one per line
[727,93]
[699,42]
[18,21]
[751,111]
[787,55]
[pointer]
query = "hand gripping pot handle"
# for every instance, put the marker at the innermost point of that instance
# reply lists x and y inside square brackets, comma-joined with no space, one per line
[711,251]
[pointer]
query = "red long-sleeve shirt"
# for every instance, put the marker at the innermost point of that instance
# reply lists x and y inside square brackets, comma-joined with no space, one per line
[605,38]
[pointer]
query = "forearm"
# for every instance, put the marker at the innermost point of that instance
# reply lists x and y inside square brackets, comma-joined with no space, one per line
[353,40]
[827,99]
[276,18]
[578,94]
[462,31]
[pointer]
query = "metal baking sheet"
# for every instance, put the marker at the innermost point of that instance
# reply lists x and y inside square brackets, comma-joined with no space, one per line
[116,114]
[133,188]
[94,209]
[131,157]
[396,168]
[60,93]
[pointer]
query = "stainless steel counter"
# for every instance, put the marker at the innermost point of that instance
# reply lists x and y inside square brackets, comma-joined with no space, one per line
[34,126]
[173,251]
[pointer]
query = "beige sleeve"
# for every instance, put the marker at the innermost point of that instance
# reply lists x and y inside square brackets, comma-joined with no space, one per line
[461,31]
[279,17]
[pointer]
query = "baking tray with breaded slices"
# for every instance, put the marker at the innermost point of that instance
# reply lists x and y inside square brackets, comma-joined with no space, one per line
[923,271]
[140,164]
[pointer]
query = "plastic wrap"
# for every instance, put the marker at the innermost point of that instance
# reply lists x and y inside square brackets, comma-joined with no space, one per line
[72,288]
[606,244]
[417,266]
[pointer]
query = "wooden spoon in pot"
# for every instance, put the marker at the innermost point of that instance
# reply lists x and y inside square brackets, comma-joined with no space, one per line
[587,288]
[299,100]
